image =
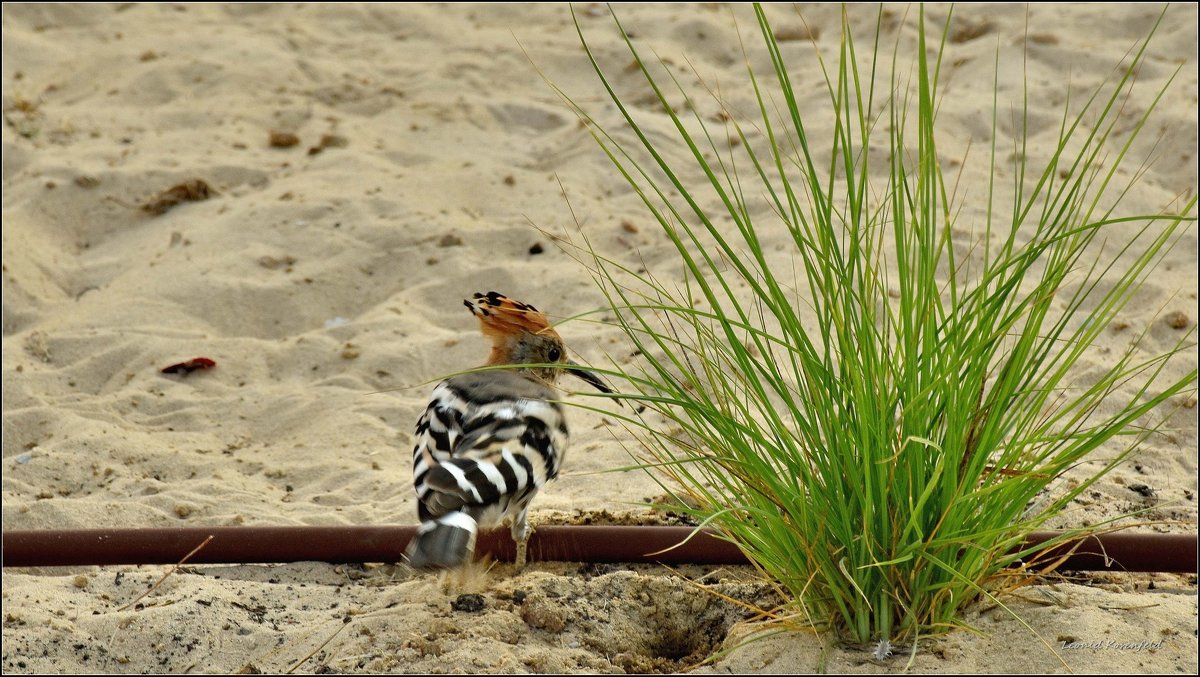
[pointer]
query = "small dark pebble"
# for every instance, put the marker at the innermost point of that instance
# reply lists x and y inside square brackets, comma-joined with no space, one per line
[329,141]
[592,569]
[1142,489]
[471,603]
[282,139]
[1178,320]
[686,520]
[194,190]
[334,141]
[536,249]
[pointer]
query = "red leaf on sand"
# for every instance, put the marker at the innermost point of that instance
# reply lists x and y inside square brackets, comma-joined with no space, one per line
[185,368]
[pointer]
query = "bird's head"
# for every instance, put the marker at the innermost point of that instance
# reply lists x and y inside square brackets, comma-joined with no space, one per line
[521,334]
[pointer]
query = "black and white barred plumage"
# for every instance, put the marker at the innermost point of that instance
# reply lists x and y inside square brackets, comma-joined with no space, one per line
[488,441]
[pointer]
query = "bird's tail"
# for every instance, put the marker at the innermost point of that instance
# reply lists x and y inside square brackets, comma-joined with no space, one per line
[443,543]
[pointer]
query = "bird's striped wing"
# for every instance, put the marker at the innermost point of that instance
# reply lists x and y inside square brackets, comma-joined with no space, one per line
[481,455]
[485,453]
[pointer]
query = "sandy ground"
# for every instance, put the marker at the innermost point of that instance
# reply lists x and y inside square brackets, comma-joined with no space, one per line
[325,279]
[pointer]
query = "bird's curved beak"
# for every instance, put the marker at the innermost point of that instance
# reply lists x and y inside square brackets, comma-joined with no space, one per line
[582,374]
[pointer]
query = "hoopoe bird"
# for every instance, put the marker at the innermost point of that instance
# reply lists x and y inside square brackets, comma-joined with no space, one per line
[488,441]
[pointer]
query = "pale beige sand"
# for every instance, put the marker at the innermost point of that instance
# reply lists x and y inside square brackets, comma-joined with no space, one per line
[316,281]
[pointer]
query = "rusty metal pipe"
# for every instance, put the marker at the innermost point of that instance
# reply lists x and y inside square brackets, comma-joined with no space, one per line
[1107,552]
[1121,551]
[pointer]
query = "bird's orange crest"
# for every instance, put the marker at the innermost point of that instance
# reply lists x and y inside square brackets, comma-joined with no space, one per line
[501,316]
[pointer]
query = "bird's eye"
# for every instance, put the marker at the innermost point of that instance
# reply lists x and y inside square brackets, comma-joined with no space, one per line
[554,354]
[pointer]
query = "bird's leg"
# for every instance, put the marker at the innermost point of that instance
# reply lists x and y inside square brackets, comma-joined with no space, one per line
[520,533]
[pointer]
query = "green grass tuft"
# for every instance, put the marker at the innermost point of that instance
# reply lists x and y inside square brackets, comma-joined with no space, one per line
[879,415]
